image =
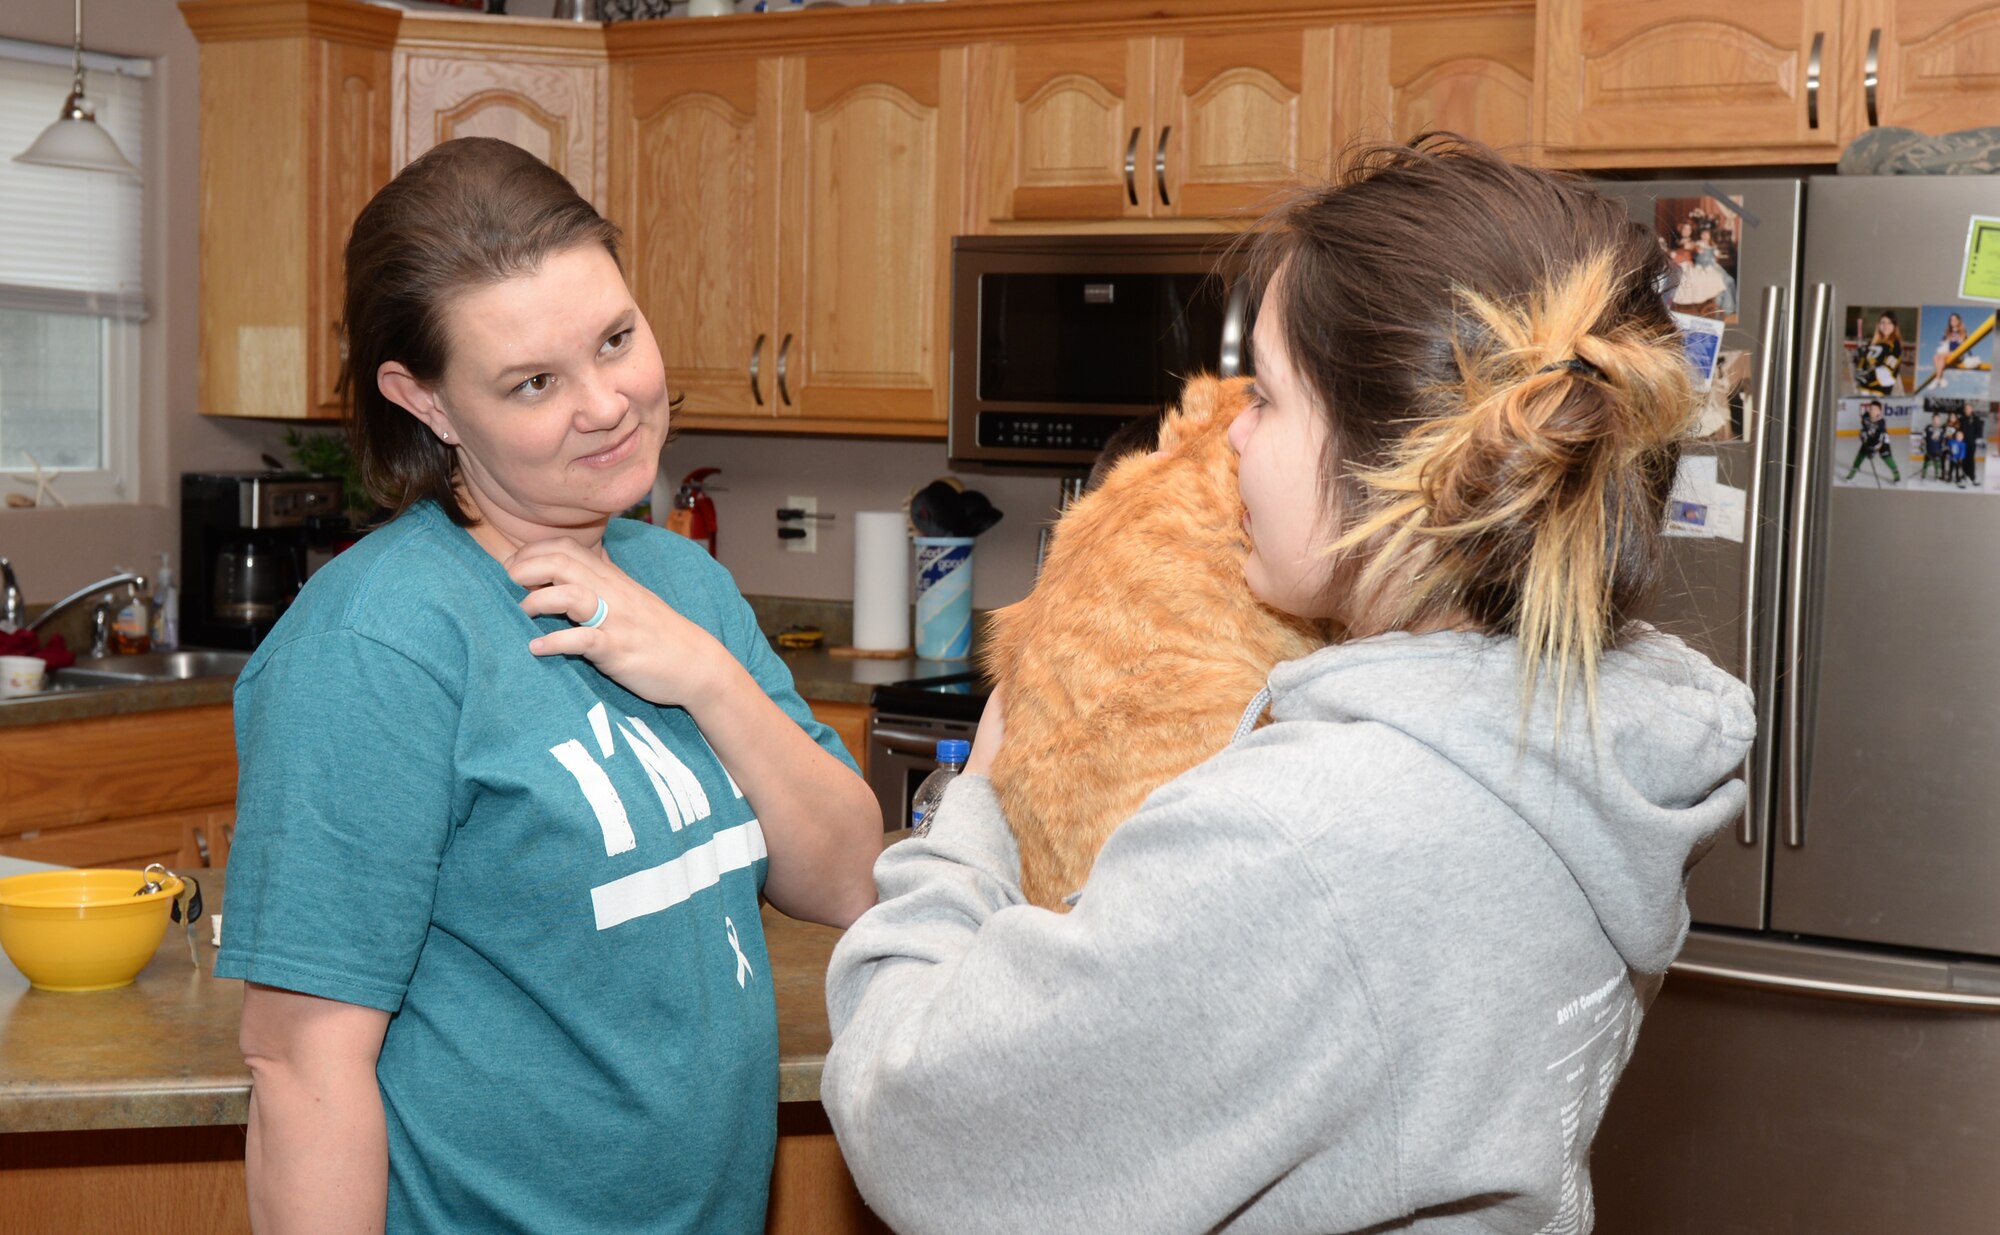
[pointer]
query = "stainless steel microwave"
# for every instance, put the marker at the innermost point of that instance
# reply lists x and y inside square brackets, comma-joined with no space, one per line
[1056,341]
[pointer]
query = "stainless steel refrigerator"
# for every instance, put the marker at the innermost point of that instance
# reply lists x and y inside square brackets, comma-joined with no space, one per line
[1825,1056]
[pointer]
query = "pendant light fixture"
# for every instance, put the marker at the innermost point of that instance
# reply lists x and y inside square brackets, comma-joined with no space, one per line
[76,139]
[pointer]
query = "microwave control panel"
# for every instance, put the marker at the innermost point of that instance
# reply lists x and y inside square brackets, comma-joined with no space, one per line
[1040,430]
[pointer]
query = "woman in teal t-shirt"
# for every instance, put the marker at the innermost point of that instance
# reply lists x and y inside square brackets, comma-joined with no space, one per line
[516,772]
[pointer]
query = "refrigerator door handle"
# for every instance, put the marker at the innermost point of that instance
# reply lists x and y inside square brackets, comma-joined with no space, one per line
[1862,991]
[1756,546]
[1235,319]
[1815,346]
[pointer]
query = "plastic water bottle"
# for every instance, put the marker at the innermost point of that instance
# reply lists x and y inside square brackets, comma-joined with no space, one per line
[951,756]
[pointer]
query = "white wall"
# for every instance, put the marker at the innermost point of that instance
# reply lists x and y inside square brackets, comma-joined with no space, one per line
[56,551]
[847,476]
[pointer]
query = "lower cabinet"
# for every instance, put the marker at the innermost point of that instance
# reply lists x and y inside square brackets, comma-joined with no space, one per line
[121,791]
[191,1179]
[850,721]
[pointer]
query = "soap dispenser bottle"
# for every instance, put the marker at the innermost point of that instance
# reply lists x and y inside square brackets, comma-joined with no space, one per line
[131,623]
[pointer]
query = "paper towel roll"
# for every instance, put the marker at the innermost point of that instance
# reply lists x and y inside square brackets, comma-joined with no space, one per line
[881,581]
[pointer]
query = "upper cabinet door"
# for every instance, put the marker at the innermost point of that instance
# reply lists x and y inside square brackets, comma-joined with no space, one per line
[1068,124]
[352,131]
[552,108]
[873,158]
[1935,64]
[1236,118]
[696,186]
[1473,76]
[1695,81]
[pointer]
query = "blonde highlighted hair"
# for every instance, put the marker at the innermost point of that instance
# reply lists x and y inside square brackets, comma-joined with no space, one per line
[1506,391]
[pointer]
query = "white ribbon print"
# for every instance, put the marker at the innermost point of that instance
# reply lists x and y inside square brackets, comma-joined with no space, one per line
[743,969]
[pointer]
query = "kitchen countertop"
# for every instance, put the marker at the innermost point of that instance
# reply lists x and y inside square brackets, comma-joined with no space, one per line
[818,674]
[162,1053]
[67,705]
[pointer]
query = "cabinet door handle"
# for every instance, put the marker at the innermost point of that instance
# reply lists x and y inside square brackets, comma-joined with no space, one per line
[1132,167]
[784,368]
[1160,164]
[1812,80]
[757,369]
[201,846]
[1871,73]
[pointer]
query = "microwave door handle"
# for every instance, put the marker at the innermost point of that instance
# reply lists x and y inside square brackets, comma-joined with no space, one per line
[1232,328]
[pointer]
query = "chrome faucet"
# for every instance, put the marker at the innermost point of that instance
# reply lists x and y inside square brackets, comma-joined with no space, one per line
[123,579]
[13,606]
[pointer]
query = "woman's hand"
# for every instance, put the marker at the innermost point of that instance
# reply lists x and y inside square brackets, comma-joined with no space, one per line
[642,644]
[986,741]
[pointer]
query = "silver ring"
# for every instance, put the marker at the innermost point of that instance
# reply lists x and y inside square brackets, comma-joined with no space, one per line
[597,618]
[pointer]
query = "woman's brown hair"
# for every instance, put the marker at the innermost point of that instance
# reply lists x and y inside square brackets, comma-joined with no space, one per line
[467,213]
[1506,391]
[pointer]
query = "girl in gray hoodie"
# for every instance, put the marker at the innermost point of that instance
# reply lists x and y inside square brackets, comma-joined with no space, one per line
[1377,965]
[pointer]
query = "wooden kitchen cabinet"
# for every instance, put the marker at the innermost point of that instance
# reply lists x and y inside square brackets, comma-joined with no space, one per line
[544,87]
[121,790]
[871,157]
[1067,122]
[1471,74]
[697,190]
[1936,64]
[1150,128]
[1701,81]
[788,221]
[294,131]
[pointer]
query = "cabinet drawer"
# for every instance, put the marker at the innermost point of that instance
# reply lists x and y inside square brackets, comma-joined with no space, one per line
[110,767]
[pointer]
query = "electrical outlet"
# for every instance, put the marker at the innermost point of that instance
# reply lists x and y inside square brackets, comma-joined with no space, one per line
[809,543]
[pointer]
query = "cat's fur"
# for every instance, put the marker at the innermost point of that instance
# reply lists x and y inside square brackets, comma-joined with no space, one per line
[1134,657]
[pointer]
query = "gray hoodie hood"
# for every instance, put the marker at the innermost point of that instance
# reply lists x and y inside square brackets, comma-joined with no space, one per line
[1626,800]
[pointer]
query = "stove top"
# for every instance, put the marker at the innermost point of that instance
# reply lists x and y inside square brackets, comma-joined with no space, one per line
[950,696]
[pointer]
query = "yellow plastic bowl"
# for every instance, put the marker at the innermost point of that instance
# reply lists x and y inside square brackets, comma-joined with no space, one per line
[82,930]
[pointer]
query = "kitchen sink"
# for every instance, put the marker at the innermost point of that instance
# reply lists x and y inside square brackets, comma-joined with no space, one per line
[181,666]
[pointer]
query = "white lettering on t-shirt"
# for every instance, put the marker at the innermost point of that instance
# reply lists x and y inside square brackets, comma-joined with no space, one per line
[598,791]
[680,791]
[600,727]
[675,880]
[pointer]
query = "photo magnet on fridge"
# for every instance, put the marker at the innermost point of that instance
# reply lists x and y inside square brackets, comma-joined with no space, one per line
[1881,346]
[1702,337]
[1704,236]
[1868,439]
[1951,447]
[1955,349]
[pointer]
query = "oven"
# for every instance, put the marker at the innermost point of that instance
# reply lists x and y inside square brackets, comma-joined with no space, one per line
[910,718]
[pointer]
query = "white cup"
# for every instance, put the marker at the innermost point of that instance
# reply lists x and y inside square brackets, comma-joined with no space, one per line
[22,675]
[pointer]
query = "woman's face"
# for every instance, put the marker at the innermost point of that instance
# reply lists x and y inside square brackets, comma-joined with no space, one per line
[1885,326]
[554,395]
[1954,324]
[1280,441]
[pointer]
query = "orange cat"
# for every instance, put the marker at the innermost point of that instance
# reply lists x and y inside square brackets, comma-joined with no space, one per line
[1134,657]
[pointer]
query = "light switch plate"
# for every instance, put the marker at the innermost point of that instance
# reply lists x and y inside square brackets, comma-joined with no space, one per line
[809,543]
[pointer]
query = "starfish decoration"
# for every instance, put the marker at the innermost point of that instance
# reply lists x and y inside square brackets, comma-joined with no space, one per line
[44,482]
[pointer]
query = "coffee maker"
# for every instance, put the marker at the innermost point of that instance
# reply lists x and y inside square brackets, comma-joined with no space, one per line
[248,540]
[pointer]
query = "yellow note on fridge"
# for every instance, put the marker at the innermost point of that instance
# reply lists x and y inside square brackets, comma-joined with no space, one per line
[1982,261]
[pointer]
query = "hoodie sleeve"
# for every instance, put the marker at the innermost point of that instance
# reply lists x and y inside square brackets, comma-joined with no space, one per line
[1191,1037]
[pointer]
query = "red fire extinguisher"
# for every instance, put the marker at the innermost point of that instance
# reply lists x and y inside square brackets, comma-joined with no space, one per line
[693,515]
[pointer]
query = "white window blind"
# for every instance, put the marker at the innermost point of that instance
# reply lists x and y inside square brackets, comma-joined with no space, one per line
[70,241]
